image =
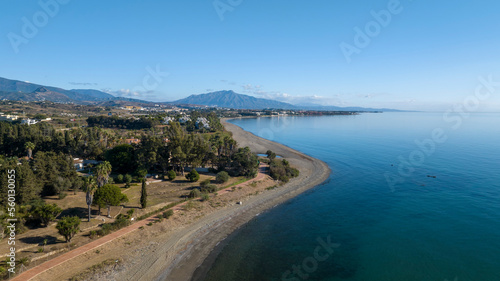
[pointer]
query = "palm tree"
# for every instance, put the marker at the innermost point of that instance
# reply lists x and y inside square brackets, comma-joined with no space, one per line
[102,173]
[29,146]
[89,186]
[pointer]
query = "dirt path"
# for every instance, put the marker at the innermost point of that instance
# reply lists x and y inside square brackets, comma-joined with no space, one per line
[33,272]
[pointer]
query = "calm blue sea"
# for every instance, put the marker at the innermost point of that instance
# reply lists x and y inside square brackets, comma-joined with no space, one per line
[411,197]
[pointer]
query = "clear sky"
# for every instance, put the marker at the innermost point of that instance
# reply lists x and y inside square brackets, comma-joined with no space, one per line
[427,56]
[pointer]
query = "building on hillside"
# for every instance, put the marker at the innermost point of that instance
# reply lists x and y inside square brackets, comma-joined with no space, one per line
[29,121]
[133,140]
[167,120]
[8,117]
[78,164]
[184,120]
[202,122]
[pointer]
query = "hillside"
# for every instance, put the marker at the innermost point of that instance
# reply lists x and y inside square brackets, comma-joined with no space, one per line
[230,99]
[25,91]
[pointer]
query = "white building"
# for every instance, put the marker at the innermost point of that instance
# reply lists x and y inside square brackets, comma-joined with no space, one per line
[167,120]
[29,121]
[202,122]
[184,119]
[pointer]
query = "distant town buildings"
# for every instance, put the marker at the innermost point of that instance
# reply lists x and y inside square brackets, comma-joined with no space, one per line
[8,117]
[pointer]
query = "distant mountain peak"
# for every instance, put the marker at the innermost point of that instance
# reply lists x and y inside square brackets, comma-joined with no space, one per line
[231,99]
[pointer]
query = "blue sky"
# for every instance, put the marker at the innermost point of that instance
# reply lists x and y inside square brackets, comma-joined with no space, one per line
[428,56]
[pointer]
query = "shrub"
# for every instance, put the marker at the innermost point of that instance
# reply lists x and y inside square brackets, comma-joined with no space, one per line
[62,195]
[209,188]
[45,213]
[205,183]
[205,197]
[171,175]
[194,193]
[168,214]
[130,212]
[193,176]
[119,178]
[222,177]
[93,234]
[127,179]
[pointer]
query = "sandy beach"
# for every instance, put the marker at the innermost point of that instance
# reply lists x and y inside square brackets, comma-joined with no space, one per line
[207,234]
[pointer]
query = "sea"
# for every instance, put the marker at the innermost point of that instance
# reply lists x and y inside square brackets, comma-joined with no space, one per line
[413,196]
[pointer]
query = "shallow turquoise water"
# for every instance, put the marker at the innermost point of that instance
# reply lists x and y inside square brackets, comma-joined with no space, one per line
[418,228]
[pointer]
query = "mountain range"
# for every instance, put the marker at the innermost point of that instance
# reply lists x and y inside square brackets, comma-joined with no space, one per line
[24,91]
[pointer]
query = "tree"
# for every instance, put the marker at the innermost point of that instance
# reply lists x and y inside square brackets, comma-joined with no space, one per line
[29,147]
[144,195]
[245,162]
[102,173]
[171,175]
[89,186]
[127,179]
[193,176]
[28,187]
[45,213]
[109,195]
[222,177]
[141,173]
[68,227]
[271,155]
[119,178]
[122,158]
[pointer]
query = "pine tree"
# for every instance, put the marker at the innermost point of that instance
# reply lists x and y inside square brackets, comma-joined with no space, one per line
[144,195]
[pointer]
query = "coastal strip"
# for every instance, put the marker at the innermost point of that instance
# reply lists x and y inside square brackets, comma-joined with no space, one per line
[222,223]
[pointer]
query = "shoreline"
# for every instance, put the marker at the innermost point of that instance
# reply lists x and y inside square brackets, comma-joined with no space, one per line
[199,254]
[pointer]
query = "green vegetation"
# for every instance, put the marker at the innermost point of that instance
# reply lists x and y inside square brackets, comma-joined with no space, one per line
[205,197]
[119,178]
[45,213]
[195,193]
[168,214]
[68,227]
[209,188]
[115,122]
[281,170]
[144,195]
[222,177]
[193,176]
[171,175]
[109,195]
